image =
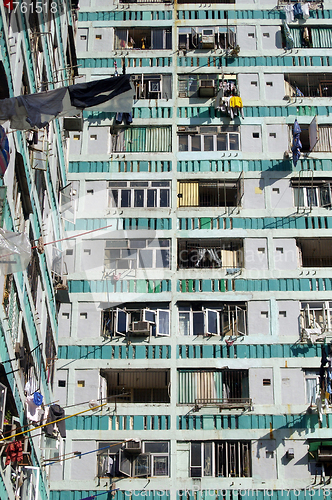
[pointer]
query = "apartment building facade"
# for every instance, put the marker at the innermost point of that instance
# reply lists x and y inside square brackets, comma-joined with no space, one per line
[199,308]
[37,54]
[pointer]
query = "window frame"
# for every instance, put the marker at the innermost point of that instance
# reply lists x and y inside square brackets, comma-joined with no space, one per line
[155,326]
[233,321]
[112,203]
[223,133]
[135,254]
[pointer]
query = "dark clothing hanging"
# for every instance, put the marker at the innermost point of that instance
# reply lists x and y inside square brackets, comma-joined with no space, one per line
[56,413]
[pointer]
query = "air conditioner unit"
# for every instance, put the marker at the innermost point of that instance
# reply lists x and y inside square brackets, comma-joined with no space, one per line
[312,331]
[206,88]
[133,446]
[207,39]
[154,86]
[140,328]
[189,129]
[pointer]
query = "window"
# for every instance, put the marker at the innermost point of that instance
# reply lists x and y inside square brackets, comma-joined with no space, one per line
[310,37]
[153,86]
[311,193]
[143,38]
[209,138]
[137,386]
[220,458]
[314,138]
[142,139]
[312,386]
[224,388]
[309,85]
[216,253]
[216,319]
[137,254]
[137,320]
[139,194]
[151,459]
[316,316]
[314,252]
[209,194]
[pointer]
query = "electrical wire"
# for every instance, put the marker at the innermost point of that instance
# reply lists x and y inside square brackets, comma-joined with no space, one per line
[78,454]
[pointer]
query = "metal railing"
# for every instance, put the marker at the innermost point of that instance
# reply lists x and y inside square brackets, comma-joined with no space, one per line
[224,403]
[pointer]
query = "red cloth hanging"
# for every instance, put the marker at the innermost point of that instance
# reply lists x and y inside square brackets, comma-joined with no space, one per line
[14,452]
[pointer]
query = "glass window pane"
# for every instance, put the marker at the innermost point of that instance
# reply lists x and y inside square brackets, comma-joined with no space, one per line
[195,142]
[160,183]
[325,198]
[160,466]
[125,197]
[184,323]
[311,384]
[198,323]
[137,243]
[138,198]
[195,456]
[212,321]
[207,459]
[183,142]
[162,258]
[156,447]
[312,197]
[164,198]
[113,197]
[152,198]
[208,142]
[163,322]
[222,142]
[145,259]
[234,142]
[298,197]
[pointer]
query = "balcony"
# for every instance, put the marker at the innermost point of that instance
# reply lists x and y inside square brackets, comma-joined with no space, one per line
[308,85]
[210,254]
[224,403]
[314,252]
[138,386]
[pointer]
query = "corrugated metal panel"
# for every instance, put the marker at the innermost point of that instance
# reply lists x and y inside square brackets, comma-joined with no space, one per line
[196,384]
[189,192]
[147,139]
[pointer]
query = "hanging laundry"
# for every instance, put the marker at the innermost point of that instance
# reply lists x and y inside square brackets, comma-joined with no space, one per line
[56,413]
[36,110]
[4,151]
[235,103]
[34,412]
[14,452]
[298,11]
[289,13]
[288,35]
[305,10]
[298,92]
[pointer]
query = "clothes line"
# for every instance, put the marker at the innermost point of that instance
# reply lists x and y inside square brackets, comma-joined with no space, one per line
[77,454]
[51,423]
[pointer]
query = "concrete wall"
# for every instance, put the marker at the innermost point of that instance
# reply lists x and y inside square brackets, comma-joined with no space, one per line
[249,86]
[274,86]
[271,37]
[277,138]
[288,317]
[264,459]
[251,138]
[86,385]
[281,194]
[253,196]
[89,319]
[83,467]
[96,195]
[285,253]
[292,386]
[246,38]
[259,390]
[255,253]
[258,317]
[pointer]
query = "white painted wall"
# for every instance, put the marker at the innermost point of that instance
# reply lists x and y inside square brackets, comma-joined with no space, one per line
[259,317]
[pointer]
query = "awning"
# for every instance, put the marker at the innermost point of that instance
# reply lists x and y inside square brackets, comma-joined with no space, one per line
[314,445]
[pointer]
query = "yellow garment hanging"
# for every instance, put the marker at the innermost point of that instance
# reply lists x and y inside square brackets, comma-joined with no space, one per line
[235,102]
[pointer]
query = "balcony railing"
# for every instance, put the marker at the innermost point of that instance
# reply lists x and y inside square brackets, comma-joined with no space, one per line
[224,403]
